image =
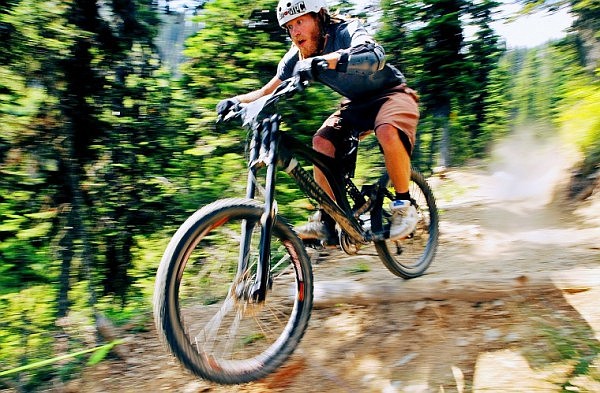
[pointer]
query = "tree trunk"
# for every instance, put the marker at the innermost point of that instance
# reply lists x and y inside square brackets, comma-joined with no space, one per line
[441,117]
[445,145]
[65,251]
[75,229]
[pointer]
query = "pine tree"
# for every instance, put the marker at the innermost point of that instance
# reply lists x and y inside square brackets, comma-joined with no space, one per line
[426,40]
[483,56]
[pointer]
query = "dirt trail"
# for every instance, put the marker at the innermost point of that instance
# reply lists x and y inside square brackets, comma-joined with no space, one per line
[510,298]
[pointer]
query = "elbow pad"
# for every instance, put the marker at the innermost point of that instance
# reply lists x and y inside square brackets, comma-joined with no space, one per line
[364,59]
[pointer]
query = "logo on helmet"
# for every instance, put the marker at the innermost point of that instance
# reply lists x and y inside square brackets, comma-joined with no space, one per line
[296,9]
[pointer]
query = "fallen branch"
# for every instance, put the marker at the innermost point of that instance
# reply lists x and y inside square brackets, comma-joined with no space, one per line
[42,363]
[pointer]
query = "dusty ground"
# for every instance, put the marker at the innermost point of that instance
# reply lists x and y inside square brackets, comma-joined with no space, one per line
[510,304]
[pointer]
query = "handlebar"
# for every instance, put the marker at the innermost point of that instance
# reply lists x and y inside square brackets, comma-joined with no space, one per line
[250,111]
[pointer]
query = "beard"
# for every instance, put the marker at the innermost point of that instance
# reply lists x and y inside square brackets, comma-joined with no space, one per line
[312,45]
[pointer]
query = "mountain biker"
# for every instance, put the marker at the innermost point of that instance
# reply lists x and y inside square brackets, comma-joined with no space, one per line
[377,99]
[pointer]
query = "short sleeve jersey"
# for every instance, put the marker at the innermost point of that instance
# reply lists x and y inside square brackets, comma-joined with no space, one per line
[352,85]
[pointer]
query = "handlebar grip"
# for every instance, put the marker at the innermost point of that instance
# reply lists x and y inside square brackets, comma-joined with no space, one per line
[322,65]
[299,85]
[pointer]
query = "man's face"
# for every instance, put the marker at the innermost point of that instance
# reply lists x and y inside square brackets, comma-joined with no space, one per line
[304,31]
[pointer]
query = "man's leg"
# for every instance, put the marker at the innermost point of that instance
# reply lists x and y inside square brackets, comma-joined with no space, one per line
[397,160]
[323,146]
[397,163]
[321,226]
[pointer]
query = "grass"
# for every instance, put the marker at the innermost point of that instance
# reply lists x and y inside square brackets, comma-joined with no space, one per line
[360,267]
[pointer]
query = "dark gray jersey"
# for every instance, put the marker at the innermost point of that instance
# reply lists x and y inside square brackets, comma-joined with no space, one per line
[358,81]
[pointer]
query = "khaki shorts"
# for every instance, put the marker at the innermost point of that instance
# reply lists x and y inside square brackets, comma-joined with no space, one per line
[397,106]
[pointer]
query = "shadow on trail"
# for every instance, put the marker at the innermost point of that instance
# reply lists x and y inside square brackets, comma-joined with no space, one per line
[518,342]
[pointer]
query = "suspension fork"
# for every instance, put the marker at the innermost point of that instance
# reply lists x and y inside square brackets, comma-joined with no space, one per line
[247,227]
[261,153]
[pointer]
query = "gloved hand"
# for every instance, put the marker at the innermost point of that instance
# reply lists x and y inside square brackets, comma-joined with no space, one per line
[309,69]
[224,105]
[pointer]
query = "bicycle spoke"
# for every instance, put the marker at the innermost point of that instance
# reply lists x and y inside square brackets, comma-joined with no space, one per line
[211,329]
[232,335]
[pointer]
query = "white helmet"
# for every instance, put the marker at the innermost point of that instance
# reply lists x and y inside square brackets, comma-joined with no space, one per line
[291,9]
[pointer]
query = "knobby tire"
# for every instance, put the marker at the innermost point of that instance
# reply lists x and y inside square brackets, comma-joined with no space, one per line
[215,332]
[410,257]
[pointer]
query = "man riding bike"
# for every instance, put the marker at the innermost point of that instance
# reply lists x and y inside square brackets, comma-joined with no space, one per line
[342,55]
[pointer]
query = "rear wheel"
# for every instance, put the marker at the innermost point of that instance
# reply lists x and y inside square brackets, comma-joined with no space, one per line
[409,257]
[202,304]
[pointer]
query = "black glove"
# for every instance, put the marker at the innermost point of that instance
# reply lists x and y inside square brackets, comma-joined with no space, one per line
[309,69]
[224,105]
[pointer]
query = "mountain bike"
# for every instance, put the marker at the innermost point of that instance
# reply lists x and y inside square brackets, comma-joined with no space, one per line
[234,289]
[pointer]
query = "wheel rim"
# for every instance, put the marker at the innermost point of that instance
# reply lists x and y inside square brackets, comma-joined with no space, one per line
[228,332]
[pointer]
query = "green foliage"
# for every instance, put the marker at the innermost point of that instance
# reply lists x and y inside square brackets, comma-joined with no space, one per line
[91,131]
[551,84]
[534,99]
[497,109]
[27,152]
[578,117]
[452,75]
[26,325]
[461,145]
[359,267]
[571,343]
[228,57]
[25,231]
[104,153]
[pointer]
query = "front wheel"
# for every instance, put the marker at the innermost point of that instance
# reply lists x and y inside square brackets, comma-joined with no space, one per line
[410,257]
[203,309]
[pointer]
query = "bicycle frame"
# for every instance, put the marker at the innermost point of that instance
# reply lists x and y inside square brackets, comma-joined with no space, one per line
[270,148]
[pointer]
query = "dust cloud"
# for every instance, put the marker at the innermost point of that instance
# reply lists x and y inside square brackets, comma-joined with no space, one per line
[528,166]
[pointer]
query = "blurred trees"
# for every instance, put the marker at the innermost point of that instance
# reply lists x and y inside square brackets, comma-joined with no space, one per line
[30,114]
[570,77]
[586,24]
[103,152]
[452,74]
[84,106]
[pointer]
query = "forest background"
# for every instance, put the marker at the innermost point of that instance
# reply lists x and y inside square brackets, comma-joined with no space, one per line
[109,140]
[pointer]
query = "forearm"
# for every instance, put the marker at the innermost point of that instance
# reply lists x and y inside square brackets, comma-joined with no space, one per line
[365,59]
[251,96]
[263,91]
